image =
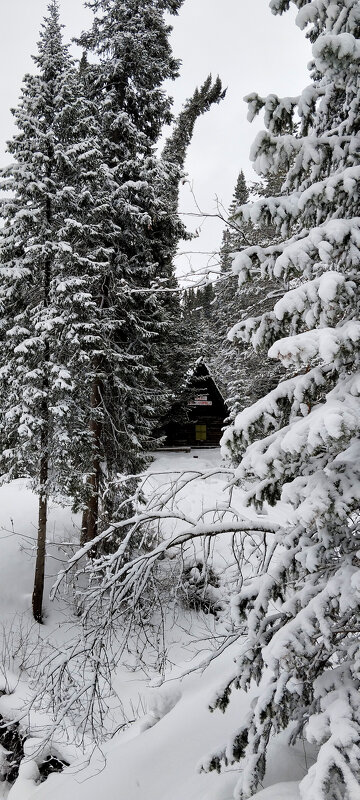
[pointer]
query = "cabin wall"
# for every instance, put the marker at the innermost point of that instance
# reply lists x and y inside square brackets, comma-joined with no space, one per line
[185,435]
[204,411]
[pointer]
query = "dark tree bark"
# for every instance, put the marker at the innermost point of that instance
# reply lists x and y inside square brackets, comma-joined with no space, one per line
[38,592]
[89,528]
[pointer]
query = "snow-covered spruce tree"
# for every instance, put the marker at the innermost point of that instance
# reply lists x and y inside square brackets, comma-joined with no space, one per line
[226,306]
[301,442]
[199,315]
[243,374]
[131,42]
[91,324]
[39,403]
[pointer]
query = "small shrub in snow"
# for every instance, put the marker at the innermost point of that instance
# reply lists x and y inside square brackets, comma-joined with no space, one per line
[199,589]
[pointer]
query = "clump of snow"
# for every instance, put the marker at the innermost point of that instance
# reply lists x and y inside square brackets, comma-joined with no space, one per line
[330,48]
[325,344]
[162,701]
[279,791]
[28,778]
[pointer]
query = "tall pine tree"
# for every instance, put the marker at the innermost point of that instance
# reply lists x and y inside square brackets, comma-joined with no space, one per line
[300,443]
[131,42]
[244,375]
[38,395]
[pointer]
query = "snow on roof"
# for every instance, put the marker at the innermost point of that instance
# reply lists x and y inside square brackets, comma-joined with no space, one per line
[192,373]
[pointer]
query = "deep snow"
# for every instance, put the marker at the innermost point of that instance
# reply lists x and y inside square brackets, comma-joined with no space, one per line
[156,757]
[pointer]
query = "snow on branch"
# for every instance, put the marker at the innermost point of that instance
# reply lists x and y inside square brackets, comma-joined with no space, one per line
[331,48]
[335,239]
[342,186]
[304,426]
[159,508]
[325,344]
[316,303]
[278,112]
[290,399]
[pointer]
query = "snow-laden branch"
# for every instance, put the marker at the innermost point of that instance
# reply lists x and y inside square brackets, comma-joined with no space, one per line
[156,512]
[299,252]
[289,207]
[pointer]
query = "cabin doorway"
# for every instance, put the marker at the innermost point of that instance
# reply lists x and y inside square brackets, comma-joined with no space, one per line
[200,433]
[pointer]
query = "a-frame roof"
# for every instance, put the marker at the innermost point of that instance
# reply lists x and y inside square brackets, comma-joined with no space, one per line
[198,371]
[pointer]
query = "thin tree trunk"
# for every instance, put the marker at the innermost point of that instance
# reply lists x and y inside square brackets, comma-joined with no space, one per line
[37,597]
[90,517]
[38,591]
[84,528]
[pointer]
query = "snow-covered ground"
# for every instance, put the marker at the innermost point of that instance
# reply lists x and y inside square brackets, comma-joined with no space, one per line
[156,757]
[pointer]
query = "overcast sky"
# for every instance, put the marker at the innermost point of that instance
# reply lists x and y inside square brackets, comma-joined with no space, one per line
[238,39]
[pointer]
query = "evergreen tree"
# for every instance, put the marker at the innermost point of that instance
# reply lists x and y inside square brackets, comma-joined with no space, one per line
[176,146]
[226,308]
[300,443]
[37,390]
[243,374]
[191,310]
[198,313]
[130,40]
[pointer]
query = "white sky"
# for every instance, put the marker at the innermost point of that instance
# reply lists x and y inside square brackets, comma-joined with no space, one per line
[238,39]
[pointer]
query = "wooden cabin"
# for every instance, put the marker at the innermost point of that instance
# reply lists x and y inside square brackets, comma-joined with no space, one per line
[196,419]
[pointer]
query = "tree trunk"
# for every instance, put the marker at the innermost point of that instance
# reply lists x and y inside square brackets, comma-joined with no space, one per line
[90,517]
[38,591]
[37,597]
[84,528]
